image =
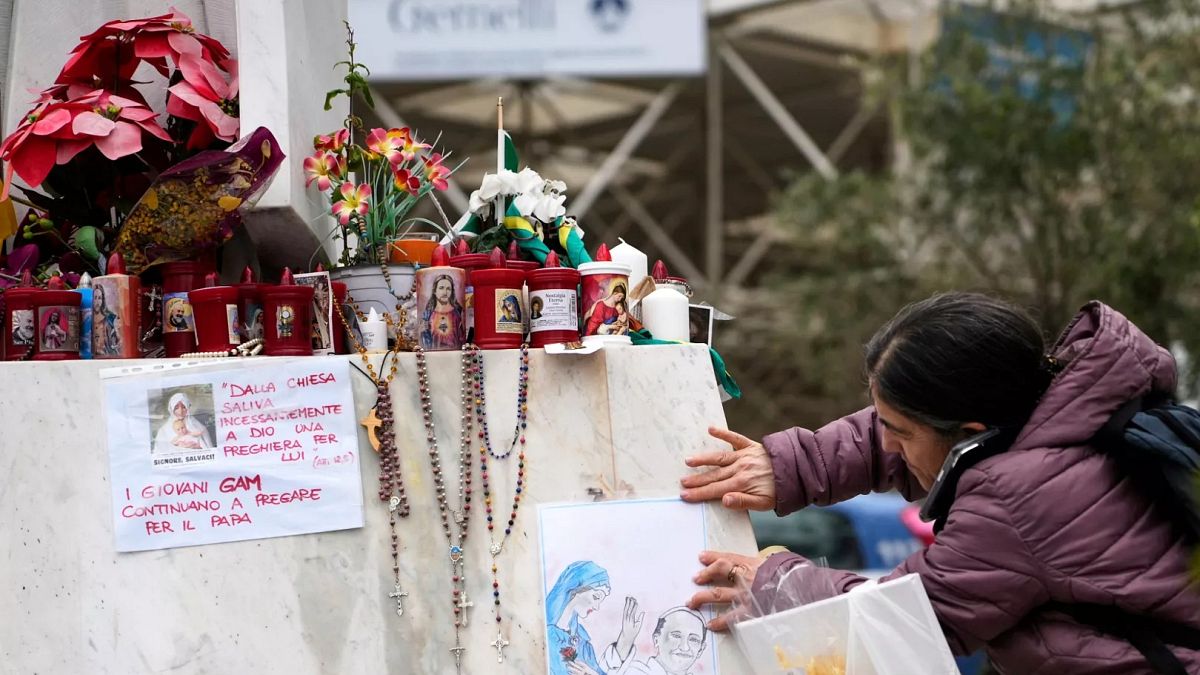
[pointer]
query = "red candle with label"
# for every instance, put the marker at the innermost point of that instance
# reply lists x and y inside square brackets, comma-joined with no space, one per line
[178,322]
[250,314]
[20,329]
[215,309]
[470,263]
[553,304]
[287,318]
[499,309]
[56,317]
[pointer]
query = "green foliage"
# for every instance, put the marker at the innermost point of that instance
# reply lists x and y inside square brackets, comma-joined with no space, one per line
[356,76]
[1048,182]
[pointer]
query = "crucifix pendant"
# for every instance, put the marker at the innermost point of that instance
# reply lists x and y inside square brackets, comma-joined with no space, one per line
[399,595]
[458,656]
[464,604]
[499,643]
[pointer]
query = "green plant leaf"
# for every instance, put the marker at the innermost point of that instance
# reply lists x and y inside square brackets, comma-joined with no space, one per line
[88,239]
[329,96]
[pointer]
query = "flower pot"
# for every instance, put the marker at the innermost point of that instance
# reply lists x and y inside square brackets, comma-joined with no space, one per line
[412,251]
[366,288]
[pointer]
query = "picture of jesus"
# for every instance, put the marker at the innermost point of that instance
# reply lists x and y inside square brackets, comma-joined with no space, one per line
[442,317]
[54,331]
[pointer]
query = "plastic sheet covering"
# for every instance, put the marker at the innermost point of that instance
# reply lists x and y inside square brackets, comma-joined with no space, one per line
[797,628]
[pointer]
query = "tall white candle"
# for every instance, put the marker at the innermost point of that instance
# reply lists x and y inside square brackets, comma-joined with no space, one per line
[665,314]
[638,264]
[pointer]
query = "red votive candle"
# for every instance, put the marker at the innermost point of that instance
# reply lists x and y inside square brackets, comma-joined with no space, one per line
[553,304]
[57,322]
[470,262]
[20,329]
[178,323]
[250,314]
[499,309]
[287,318]
[215,309]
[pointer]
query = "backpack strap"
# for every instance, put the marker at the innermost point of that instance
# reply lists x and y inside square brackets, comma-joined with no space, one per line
[1148,635]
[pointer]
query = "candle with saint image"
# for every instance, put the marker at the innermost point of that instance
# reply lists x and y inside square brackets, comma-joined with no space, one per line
[116,314]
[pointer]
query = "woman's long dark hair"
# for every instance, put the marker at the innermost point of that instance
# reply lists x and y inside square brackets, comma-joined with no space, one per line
[958,358]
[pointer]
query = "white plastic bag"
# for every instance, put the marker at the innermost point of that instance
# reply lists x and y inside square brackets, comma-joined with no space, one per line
[879,629]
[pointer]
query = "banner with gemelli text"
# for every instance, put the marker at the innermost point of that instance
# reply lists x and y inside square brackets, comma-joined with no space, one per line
[232,450]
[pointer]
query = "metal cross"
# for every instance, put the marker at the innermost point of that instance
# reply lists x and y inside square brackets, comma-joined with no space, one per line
[458,656]
[153,296]
[464,604]
[399,595]
[499,643]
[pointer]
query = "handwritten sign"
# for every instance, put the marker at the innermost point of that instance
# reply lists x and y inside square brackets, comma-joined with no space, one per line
[249,450]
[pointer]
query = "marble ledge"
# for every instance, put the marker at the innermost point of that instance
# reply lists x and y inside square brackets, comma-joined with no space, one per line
[616,424]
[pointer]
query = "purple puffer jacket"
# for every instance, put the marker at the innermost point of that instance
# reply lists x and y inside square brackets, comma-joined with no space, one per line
[1048,521]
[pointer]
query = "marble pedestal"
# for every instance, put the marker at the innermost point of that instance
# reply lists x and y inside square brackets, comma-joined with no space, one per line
[612,425]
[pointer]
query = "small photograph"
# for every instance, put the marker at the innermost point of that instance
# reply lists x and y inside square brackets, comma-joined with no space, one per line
[509,317]
[59,329]
[23,330]
[178,314]
[700,324]
[322,310]
[181,419]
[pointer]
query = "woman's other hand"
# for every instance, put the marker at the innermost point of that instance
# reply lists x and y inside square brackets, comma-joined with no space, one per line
[742,478]
[729,577]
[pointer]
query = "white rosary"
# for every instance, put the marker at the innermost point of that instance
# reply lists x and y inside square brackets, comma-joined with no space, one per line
[249,348]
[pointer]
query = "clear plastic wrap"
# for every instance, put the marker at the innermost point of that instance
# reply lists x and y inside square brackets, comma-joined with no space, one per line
[800,625]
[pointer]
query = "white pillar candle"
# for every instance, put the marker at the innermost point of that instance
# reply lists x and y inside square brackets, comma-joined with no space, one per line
[665,314]
[374,332]
[626,254]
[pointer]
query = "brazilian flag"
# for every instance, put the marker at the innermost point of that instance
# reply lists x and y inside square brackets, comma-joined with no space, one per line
[525,234]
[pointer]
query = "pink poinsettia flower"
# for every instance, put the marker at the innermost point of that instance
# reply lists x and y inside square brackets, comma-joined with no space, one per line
[332,142]
[354,201]
[118,46]
[405,180]
[53,133]
[388,144]
[207,99]
[324,168]
[436,172]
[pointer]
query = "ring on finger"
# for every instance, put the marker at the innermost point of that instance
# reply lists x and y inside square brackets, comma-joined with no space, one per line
[735,572]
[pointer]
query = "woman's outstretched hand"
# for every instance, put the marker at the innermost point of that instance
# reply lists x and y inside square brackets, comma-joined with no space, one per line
[742,478]
[728,577]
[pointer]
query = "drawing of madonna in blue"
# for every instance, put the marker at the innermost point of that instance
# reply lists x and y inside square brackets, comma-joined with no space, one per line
[579,591]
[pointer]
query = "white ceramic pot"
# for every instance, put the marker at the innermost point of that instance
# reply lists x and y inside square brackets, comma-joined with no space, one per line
[366,288]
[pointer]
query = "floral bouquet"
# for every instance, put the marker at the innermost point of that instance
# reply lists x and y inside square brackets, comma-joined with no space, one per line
[372,182]
[93,145]
[533,213]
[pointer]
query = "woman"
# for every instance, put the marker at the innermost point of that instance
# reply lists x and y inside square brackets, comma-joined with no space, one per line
[603,315]
[580,590]
[510,310]
[181,431]
[106,335]
[443,317]
[1048,522]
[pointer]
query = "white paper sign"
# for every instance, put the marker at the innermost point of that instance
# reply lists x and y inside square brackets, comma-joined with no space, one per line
[456,39]
[249,450]
[607,561]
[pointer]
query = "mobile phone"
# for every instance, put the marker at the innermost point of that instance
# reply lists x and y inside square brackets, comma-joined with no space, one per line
[963,456]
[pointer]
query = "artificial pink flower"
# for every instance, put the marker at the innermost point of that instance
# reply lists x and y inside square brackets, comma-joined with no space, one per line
[412,147]
[53,133]
[324,168]
[405,180]
[436,172]
[205,98]
[116,48]
[388,144]
[332,142]
[354,200]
